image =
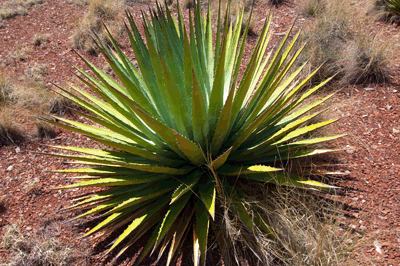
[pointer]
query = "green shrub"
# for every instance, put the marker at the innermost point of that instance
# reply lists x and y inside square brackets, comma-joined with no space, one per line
[186,136]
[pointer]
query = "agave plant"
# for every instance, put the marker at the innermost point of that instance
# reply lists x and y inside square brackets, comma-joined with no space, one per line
[184,127]
[393,6]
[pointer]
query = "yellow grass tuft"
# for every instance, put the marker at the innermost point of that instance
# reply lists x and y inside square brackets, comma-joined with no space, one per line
[109,12]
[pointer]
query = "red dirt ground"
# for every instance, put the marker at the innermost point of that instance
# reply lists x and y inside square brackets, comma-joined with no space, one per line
[370,118]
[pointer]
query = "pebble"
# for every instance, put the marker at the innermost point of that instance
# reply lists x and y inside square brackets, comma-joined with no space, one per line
[369,89]
[10,168]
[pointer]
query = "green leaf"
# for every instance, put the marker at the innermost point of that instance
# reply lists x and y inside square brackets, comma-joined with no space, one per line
[186,186]
[233,170]
[173,212]
[189,149]
[200,229]
[142,219]
[207,196]
[218,162]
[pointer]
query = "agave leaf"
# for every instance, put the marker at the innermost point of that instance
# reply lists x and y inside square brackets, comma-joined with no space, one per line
[181,230]
[314,183]
[189,149]
[174,210]
[218,162]
[208,196]
[105,206]
[223,124]
[105,195]
[201,231]
[149,212]
[186,186]
[151,168]
[111,182]
[115,217]
[232,170]
[199,113]
[109,139]
[160,188]
[239,208]
[289,132]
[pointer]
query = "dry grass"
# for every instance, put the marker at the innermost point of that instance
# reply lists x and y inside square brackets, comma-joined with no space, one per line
[20,53]
[40,40]
[326,37]
[78,2]
[14,8]
[10,132]
[312,8]
[37,72]
[365,60]
[304,230]
[338,40]
[32,186]
[41,248]
[22,101]
[109,12]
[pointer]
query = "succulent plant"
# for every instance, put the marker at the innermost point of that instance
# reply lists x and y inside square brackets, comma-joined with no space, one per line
[185,126]
[393,6]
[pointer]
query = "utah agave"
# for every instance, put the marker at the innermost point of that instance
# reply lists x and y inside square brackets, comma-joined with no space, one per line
[184,126]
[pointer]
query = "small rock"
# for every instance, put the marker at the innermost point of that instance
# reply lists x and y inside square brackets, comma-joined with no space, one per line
[396,131]
[10,168]
[17,150]
[369,89]
[28,228]
[378,246]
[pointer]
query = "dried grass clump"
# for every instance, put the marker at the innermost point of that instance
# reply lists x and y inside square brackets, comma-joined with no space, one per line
[326,37]
[5,89]
[40,40]
[32,186]
[365,61]
[78,2]
[39,249]
[304,230]
[10,132]
[36,72]
[15,8]
[313,8]
[109,12]
[24,101]
[338,42]
[20,53]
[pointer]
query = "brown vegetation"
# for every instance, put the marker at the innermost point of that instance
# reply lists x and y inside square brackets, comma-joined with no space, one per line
[337,41]
[91,26]
[22,101]
[41,248]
